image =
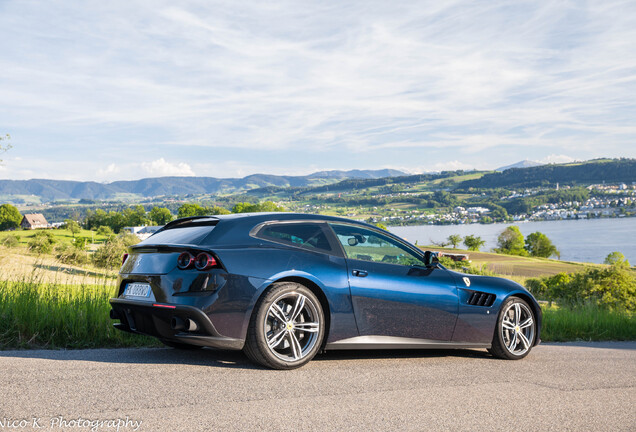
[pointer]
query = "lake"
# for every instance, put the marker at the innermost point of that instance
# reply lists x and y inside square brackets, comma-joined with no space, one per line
[587,240]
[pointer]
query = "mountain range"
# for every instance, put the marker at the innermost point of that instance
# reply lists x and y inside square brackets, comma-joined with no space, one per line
[56,190]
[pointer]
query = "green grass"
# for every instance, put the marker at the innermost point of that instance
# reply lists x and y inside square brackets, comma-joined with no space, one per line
[49,315]
[589,323]
[60,235]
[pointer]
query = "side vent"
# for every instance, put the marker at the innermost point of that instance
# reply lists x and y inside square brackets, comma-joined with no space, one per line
[481,299]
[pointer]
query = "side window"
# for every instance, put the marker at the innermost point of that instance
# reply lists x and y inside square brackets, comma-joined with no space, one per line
[367,245]
[305,235]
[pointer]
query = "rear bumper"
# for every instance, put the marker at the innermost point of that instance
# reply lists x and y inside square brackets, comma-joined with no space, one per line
[147,319]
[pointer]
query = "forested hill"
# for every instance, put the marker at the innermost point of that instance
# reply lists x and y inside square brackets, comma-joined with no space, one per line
[51,190]
[591,172]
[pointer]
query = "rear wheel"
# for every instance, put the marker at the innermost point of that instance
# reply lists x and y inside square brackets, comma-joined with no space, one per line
[515,332]
[287,327]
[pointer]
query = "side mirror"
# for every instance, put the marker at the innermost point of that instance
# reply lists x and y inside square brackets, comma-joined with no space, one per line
[430,259]
[352,241]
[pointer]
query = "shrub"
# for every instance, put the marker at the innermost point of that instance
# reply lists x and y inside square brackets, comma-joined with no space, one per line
[10,241]
[42,242]
[71,254]
[110,253]
[105,231]
[612,287]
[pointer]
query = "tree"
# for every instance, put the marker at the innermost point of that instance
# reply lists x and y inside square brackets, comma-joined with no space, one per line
[454,239]
[135,216]
[189,210]
[72,226]
[539,245]
[511,242]
[10,217]
[160,215]
[473,243]
[105,231]
[616,259]
[4,148]
[216,210]
[381,226]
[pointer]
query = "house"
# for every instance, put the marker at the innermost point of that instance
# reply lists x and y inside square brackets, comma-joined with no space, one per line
[34,221]
[142,232]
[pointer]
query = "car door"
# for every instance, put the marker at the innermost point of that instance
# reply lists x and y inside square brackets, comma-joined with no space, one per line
[392,291]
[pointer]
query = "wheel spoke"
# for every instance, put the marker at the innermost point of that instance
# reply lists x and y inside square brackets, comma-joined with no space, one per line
[513,342]
[517,313]
[298,307]
[508,325]
[524,340]
[310,327]
[526,323]
[277,313]
[295,345]
[276,339]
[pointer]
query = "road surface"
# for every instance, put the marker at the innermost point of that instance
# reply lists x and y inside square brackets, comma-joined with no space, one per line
[587,386]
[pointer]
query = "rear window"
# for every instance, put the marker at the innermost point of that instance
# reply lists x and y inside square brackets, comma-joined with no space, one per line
[306,235]
[193,235]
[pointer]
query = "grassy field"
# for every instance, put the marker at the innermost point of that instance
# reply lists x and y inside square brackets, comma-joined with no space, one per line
[44,303]
[517,267]
[50,315]
[60,235]
[589,323]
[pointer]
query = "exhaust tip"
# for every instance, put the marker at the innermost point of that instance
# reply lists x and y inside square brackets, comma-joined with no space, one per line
[187,324]
[177,324]
[113,314]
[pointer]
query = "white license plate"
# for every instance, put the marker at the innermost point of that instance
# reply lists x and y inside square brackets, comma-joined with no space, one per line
[137,290]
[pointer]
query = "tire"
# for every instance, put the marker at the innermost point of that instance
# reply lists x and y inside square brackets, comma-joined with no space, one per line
[287,327]
[179,345]
[515,332]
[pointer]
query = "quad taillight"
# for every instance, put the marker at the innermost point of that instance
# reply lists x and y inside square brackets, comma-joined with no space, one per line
[203,261]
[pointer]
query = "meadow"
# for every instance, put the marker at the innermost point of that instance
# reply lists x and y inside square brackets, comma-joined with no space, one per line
[48,304]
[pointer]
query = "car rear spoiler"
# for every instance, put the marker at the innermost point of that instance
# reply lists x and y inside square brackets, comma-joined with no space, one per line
[190,221]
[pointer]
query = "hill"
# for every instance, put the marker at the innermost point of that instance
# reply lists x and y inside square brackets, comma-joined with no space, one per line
[54,190]
[582,173]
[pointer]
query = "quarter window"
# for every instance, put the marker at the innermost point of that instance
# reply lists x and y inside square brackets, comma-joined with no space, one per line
[305,235]
[367,245]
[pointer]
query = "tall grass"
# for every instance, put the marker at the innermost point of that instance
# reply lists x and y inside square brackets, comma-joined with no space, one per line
[587,323]
[52,315]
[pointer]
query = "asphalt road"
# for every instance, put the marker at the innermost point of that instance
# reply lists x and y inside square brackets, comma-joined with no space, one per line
[578,387]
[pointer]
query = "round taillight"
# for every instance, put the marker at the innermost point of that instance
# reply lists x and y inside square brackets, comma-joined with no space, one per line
[185,260]
[204,261]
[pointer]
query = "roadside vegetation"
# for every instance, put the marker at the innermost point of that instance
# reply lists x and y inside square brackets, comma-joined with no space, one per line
[34,314]
[57,297]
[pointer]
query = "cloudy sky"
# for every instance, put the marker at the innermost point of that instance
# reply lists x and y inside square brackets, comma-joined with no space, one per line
[108,90]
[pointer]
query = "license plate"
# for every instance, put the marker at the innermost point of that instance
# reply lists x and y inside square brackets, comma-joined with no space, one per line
[137,290]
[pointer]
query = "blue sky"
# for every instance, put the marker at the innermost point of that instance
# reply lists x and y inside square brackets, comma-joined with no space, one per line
[94,90]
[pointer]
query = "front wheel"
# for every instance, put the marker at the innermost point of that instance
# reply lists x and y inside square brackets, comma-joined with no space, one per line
[287,327]
[515,332]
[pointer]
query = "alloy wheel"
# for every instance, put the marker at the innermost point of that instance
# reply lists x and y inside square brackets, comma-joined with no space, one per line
[517,328]
[291,326]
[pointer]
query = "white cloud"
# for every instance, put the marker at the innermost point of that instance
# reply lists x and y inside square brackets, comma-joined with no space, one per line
[109,171]
[335,80]
[162,168]
[556,159]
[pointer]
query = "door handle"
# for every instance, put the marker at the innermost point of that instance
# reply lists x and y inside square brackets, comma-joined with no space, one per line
[360,273]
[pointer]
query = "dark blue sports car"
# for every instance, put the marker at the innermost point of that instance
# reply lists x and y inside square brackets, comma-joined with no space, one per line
[283,286]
